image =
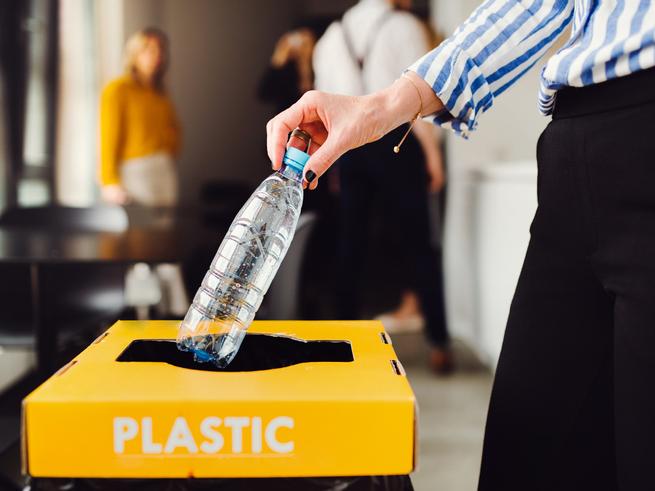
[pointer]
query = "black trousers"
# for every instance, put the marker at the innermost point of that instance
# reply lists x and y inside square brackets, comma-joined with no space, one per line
[573,403]
[393,187]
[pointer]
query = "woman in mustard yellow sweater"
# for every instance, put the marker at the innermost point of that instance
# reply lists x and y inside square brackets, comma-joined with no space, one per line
[139,132]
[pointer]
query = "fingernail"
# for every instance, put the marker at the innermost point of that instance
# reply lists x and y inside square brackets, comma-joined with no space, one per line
[310,175]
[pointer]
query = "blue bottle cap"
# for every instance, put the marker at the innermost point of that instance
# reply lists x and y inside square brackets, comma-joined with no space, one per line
[296,159]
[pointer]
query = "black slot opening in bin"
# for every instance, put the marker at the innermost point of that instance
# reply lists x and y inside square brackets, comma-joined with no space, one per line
[258,352]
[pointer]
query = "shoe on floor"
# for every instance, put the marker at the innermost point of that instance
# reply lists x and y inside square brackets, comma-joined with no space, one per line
[442,361]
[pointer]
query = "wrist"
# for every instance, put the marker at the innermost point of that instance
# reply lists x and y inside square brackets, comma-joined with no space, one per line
[388,108]
[401,102]
[429,99]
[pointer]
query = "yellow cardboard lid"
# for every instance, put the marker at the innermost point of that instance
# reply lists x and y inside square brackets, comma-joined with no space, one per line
[98,417]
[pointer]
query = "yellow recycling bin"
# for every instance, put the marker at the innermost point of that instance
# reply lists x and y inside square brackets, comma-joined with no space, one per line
[301,399]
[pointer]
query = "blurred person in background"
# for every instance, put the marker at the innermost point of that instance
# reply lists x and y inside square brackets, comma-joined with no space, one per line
[374,41]
[139,131]
[289,74]
[139,141]
[287,77]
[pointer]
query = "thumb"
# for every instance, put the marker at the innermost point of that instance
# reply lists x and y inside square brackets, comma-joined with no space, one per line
[322,159]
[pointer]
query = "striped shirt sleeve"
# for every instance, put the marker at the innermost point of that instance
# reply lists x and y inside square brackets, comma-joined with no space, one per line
[488,53]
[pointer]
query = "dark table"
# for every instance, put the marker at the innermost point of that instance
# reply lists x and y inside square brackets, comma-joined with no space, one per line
[167,241]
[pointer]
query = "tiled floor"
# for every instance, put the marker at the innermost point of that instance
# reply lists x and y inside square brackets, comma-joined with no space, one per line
[452,412]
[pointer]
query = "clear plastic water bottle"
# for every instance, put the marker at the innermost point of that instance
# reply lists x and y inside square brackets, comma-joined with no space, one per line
[246,262]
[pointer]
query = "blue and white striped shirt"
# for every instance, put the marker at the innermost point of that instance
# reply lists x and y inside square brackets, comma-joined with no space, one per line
[503,39]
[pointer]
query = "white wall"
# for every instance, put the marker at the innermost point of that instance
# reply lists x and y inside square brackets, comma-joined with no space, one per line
[507,132]
[77,103]
[110,36]
[138,14]
[219,50]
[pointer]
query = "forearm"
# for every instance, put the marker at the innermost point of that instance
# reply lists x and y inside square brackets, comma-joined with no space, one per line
[108,172]
[110,136]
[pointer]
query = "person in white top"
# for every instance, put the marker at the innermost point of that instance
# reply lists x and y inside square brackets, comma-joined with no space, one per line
[399,39]
[363,52]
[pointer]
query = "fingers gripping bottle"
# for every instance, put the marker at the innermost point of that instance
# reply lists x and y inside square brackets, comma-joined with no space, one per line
[246,262]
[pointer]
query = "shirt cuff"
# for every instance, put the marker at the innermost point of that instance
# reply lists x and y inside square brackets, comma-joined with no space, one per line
[456,80]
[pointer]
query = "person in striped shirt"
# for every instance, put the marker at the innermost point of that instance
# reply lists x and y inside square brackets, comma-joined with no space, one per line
[572,406]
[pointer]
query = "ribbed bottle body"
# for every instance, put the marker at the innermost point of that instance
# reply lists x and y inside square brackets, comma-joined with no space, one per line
[242,270]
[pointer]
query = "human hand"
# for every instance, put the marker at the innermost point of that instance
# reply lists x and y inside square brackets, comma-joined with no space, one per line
[301,40]
[282,51]
[338,123]
[114,194]
[295,45]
